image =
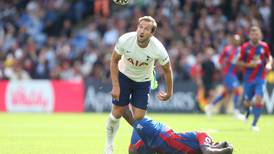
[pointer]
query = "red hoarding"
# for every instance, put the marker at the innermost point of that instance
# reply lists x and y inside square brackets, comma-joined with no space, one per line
[41,96]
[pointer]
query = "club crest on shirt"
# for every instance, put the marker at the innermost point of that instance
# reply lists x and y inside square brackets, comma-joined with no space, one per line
[139,126]
[261,51]
[257,57]
[165,59]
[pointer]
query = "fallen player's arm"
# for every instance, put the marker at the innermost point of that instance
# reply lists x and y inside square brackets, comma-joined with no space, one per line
[128,116]
[225,148]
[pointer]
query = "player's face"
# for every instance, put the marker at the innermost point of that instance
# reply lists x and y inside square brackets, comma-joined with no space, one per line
[255,36]
[236,40]
[144,31]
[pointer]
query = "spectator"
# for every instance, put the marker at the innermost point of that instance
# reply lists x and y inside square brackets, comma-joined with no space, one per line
[208,70]
[17,72]
[46,33]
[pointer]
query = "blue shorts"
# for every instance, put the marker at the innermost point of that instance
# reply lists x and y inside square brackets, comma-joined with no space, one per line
[231,81]
[136,93]
[253,88]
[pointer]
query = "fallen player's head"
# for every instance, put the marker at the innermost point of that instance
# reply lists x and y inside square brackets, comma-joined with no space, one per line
[132,149]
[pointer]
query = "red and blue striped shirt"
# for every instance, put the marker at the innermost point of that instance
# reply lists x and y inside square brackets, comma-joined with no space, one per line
[259,53]
[228,59]
[156,137]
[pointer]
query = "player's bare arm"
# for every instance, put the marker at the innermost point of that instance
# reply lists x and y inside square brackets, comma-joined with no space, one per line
[217,148]
[269,63]
[128,116]
[168,75]
[114,75]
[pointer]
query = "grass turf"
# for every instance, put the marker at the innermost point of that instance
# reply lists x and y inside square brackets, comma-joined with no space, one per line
[85,133]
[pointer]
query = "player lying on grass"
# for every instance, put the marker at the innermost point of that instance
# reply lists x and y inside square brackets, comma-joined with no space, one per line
[151,137]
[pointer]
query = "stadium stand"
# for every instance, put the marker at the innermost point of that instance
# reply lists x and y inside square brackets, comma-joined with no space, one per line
[42,39]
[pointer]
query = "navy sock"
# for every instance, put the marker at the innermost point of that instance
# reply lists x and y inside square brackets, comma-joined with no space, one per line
[257,112]
[247,112]
[235,101]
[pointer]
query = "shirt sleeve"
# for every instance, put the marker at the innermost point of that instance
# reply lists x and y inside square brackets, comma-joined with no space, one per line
[204,138]
[222,56]
[163,57]
[267,51]
[119,46]
[242,53]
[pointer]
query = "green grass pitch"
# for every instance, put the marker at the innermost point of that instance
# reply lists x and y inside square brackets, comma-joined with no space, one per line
[85,133]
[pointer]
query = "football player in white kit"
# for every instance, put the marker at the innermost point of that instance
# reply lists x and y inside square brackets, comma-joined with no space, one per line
[131,70]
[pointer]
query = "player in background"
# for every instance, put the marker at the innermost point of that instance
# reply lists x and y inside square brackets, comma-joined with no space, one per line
[151,137]
[256,60]
[228,59]
[131,70]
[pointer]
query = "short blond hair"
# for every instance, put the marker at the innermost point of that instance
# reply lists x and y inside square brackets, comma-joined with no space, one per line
[149,19]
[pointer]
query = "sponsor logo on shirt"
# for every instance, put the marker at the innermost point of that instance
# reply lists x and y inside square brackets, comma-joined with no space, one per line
[137,62]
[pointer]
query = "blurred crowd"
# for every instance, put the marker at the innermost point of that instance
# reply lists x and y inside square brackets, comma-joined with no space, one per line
[68,39]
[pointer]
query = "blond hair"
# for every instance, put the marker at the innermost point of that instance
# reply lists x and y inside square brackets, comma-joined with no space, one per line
[149,19]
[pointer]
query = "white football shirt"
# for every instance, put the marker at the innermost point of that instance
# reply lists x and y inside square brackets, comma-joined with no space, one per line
[138,63]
